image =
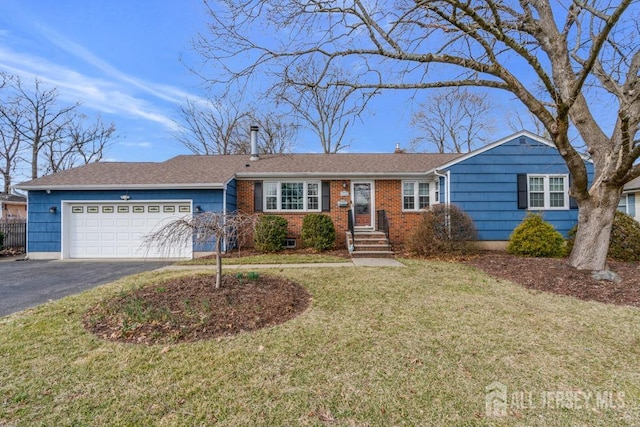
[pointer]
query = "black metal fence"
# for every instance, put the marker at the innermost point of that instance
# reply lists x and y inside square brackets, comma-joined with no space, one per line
[15,235]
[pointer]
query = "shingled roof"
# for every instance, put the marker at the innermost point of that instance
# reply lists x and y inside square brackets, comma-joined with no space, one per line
[192,171]
[13,198]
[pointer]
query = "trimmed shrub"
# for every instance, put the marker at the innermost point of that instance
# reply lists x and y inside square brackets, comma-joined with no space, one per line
[270,234]
[625,238]
[535,237]
[444,229]
[318,232]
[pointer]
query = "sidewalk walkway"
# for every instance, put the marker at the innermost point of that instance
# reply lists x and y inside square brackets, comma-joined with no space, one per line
[355,262]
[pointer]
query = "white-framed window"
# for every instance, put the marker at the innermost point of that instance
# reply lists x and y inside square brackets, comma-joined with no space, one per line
[415,195]
[548,192]
[297,196]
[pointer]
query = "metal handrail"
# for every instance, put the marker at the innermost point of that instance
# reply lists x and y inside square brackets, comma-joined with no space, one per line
[382,222]
[350,227]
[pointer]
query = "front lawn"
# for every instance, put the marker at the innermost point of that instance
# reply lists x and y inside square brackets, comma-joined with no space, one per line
[377,346]
[270,258]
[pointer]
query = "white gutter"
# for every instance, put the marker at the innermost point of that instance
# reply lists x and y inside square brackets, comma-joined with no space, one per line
[42,187]
[447,178]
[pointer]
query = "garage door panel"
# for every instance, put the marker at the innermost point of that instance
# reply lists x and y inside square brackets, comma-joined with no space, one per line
[106,230]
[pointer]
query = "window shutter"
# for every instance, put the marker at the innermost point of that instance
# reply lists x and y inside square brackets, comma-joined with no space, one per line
[522,191]
[573,204]
[257,196]
[326,196]
[631,204]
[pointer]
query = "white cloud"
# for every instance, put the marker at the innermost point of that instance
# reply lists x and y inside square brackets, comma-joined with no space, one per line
[115,92]
[142,144]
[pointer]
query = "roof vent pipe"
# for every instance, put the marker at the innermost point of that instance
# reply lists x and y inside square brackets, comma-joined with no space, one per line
[254,143]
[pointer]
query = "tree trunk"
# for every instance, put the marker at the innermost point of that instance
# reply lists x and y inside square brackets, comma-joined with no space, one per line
[218,263]
[7,181]
[595,219]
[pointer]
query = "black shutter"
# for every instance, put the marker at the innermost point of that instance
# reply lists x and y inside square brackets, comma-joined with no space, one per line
[573,204]
[257,196]
[522,191]
[326,196]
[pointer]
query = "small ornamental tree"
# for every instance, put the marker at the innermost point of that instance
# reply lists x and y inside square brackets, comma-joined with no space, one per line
[318,232]
[270,233]
[203,228]
[536,238]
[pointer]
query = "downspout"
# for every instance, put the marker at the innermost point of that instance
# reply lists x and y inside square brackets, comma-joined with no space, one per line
[224,214]
[447,177]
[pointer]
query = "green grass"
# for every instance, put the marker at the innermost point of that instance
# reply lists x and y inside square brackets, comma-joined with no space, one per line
[379,346]
[294,258]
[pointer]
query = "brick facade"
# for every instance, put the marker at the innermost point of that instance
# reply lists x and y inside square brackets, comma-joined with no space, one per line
[388,196]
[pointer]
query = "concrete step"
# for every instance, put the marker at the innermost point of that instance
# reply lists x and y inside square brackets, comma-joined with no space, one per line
[372,254]
[372,247]
[368,244]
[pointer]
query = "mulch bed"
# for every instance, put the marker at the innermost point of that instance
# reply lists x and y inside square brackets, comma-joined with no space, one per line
[555,275]
[191,309]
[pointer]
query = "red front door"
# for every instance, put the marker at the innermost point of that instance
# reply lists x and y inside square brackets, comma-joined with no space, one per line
[362,204]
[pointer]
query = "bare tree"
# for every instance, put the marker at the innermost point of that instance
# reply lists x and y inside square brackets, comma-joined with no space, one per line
[36,116]
[277,134]
[214,228]
[77,145]
[454,121]
[552,56]
[327,110]
[42,134]
[222,127]
[213,126]
[516,123]
[10,149]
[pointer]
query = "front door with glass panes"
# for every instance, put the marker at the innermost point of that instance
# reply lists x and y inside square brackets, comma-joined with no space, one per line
[362,204]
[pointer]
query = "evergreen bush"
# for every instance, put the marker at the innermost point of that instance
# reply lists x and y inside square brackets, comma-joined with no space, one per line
[318,232]
[625,238]
[270,234]
[535,237]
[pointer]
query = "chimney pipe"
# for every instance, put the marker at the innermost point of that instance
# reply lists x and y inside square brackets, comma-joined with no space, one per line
[254,143]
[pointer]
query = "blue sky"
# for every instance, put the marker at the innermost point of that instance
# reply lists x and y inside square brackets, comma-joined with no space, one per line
[121,58]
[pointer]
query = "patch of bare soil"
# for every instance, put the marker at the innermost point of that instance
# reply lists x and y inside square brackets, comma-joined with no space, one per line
[192,309]
[555,275]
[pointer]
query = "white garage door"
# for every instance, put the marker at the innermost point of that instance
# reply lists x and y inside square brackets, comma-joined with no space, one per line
[117,230]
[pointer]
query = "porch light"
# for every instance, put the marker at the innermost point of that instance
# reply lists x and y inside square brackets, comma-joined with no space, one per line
[199,209]
[53,209]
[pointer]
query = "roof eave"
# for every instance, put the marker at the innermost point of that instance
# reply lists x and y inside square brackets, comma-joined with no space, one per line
[168,186]
[337,175]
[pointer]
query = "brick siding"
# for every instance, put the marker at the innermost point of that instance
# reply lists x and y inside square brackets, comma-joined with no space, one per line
[388,196]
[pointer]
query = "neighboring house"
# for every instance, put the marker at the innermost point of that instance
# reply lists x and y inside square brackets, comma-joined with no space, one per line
[12,206]
[629,201]
[104,209]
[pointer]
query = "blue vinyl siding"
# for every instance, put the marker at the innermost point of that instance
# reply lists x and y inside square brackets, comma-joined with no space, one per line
[44,229]
[485,186]
[232,196]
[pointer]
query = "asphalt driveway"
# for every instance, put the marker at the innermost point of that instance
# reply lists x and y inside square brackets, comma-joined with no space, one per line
[25,284]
